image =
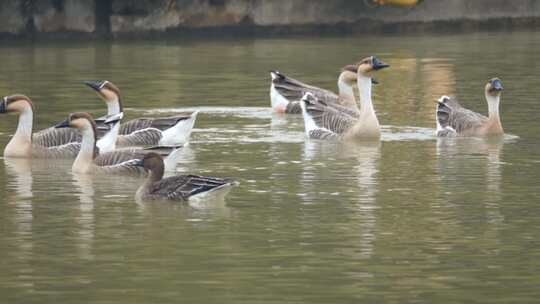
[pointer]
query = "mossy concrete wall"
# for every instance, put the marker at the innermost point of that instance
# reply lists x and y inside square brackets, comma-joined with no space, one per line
[119,18]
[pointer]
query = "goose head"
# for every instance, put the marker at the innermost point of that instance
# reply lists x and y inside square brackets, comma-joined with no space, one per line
[370,64]
[494,87]
[348,74]
[81,121]
[107,91]
[152,162]
[16,104]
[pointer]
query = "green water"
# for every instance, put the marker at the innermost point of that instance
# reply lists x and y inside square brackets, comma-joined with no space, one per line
[410,220]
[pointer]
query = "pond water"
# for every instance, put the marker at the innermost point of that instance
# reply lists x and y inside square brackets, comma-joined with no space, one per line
[412,219]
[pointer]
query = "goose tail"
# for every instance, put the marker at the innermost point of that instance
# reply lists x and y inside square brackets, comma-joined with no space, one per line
[442,117]
[218,192]
[309,104]
[276,75]
[278,102]
[180,132]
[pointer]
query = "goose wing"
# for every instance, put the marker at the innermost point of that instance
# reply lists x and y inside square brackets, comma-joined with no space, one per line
[293,90]
[120,162]
[181,187]
[69,150]
[322,119]
[52,137]
[452,116]
[143,137]
[160,123]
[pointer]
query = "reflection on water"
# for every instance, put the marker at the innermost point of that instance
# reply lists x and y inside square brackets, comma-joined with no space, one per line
[21,176]
[83,186]
[413,218]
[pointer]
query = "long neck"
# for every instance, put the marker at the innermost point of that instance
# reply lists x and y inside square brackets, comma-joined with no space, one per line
[114,106]
[86,155]
[494,122]
[20,144]
[345,90]
[24,128]
[493,105]
[364,88]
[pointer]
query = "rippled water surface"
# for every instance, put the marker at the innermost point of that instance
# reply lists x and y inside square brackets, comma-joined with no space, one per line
[412,219]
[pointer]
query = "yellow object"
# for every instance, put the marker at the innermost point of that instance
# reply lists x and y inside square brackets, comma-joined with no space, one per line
[403,3]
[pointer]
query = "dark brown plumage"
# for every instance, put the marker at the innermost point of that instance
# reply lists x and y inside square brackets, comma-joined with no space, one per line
[178,188]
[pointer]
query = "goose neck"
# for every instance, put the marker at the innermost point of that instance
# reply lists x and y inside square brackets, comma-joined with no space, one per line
[345,90]
[364,88]
[493,105]
[88,151]
[114,106]
[24,127]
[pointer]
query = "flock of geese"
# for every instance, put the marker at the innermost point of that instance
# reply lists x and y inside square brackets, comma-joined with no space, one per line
[150,146]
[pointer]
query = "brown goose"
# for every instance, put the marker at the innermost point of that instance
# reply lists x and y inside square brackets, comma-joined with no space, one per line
[324,121]
[89,160]
[286,92]
[23,144]
[179,187]
[455,120]
[174,130]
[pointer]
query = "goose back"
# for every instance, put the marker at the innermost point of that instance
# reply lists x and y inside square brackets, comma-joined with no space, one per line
[160,123]
[69,150]
[51,137]
[182,187]
[326,119]
[452,116]
[120,162]
[142,137]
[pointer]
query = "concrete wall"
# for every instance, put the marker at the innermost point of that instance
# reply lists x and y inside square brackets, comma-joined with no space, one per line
[127,17]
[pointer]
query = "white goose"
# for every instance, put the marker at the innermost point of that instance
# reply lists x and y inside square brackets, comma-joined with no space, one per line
[174,130]
[286,92]
[90,160]
[454,120]
[22,144]
[323,121]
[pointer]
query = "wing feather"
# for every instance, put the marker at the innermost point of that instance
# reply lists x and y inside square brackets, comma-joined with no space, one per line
[451,115]
[294,90]
[143,137]
[52,137]
[181,187]
[160,123]
[330,118]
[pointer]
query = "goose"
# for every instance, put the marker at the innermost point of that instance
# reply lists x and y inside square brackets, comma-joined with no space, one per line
[52,137]
[323,121]
[286,92]
[179,187]
[90,160]
[22,144]
[455,120]
[168,131]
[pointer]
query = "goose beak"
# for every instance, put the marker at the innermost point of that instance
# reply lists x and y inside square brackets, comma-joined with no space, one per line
[496,85]
[96,85]
[63,124]
[378,65]
[3,106]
